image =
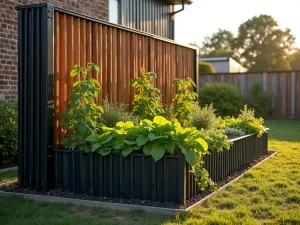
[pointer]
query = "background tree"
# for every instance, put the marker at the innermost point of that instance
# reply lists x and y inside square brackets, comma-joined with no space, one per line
[295,60]
[261,45]
[218,45]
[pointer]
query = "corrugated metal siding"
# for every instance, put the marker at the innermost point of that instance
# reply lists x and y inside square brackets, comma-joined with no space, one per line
[35,73]
[152,16]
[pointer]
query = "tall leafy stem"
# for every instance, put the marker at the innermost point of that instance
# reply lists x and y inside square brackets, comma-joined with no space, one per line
[184,100]
[146,103]
[80,119]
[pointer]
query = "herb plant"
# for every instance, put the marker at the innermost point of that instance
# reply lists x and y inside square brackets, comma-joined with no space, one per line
[146,103]
[80,119]
[184,100]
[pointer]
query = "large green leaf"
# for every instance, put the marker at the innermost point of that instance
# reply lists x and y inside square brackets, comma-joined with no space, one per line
[190,156]
[170,146]
[147,149]
[201,145]
[142,140]
[95,147]
[105,152]
[92,138]
[118,144]
[81,128]
[157,152]
[129,142]
[127,151]
[153,137]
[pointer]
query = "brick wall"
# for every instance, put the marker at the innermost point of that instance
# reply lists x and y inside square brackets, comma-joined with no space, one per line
[9,36]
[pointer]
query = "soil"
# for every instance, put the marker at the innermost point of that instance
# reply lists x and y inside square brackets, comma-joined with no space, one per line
[13,187]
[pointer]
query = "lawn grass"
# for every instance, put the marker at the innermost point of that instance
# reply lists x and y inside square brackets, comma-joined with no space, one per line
[8,176]
[269,194]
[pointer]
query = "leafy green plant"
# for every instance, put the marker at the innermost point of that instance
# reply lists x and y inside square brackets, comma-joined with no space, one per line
[216,139]
[236,132]
[146,103]
[260,100]
[8,130]
[203,117]
[114,113]
[80,119]
[247,122]
[226,98]
[184,99]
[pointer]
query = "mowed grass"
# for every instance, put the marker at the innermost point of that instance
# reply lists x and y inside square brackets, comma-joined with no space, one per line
[8,176]
[268,194]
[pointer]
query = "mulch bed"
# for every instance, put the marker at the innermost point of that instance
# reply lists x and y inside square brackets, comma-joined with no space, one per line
[66,194]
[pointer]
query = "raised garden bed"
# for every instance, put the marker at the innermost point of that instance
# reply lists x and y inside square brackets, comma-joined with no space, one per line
[139,177]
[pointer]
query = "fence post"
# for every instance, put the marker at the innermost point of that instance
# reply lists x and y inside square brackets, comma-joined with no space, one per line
[35,95]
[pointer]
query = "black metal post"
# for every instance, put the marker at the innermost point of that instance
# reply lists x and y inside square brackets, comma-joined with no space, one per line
[35,95]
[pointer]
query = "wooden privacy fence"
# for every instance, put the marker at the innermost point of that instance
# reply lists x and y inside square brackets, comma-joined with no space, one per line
[284,86]
[120,53]
[50,41]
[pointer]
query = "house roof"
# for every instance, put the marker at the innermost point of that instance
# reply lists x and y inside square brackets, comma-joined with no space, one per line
[179,2]
[214,59]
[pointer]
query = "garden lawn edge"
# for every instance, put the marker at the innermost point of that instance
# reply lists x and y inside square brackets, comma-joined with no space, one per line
[202,201]
[126,207]
[8,169]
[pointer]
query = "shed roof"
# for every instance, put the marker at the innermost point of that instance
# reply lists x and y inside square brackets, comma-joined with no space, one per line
[179,2]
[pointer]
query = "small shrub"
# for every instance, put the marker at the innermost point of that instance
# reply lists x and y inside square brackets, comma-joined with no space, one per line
[247,122]
[237,132]
[81,117]
[8,131]
[114,113]
[169,113]
[260,100]
[184,100]
[205,67]
[204,117]
[216,139]
[146,103]
[226,98]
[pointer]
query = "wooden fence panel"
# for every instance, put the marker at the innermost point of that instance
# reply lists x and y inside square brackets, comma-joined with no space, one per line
[284,86]
[120,53]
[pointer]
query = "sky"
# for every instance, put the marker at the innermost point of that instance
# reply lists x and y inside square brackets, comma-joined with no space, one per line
[204,17]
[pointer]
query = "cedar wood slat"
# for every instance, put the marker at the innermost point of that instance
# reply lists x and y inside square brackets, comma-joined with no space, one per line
[120,54]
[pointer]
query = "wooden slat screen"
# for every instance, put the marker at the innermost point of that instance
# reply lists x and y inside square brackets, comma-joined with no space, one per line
[284,86]
[120,53]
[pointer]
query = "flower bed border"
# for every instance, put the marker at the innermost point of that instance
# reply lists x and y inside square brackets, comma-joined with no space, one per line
[139,177]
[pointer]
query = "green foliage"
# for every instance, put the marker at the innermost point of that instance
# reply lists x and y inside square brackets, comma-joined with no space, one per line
[155,138]
[216,139]
[205,67]
[219,44]
[183,101]
[80,119]
[114,113]
[263,45]
[226,98]
[202,177]
[169,112]
[295,60]
[8,130]
[247,122]
[236,132]
[146,103]
[204,117]
[260,100]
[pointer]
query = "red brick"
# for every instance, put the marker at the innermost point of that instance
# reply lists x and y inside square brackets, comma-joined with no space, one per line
[9,34]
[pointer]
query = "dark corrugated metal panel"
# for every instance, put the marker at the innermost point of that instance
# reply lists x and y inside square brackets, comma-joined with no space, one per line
[35,48]
[152,16]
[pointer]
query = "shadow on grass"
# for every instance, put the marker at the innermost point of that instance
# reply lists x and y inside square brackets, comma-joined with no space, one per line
[284,130]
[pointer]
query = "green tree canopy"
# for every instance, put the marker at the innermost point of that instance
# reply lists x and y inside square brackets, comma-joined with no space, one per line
[295,60]
[259,45]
